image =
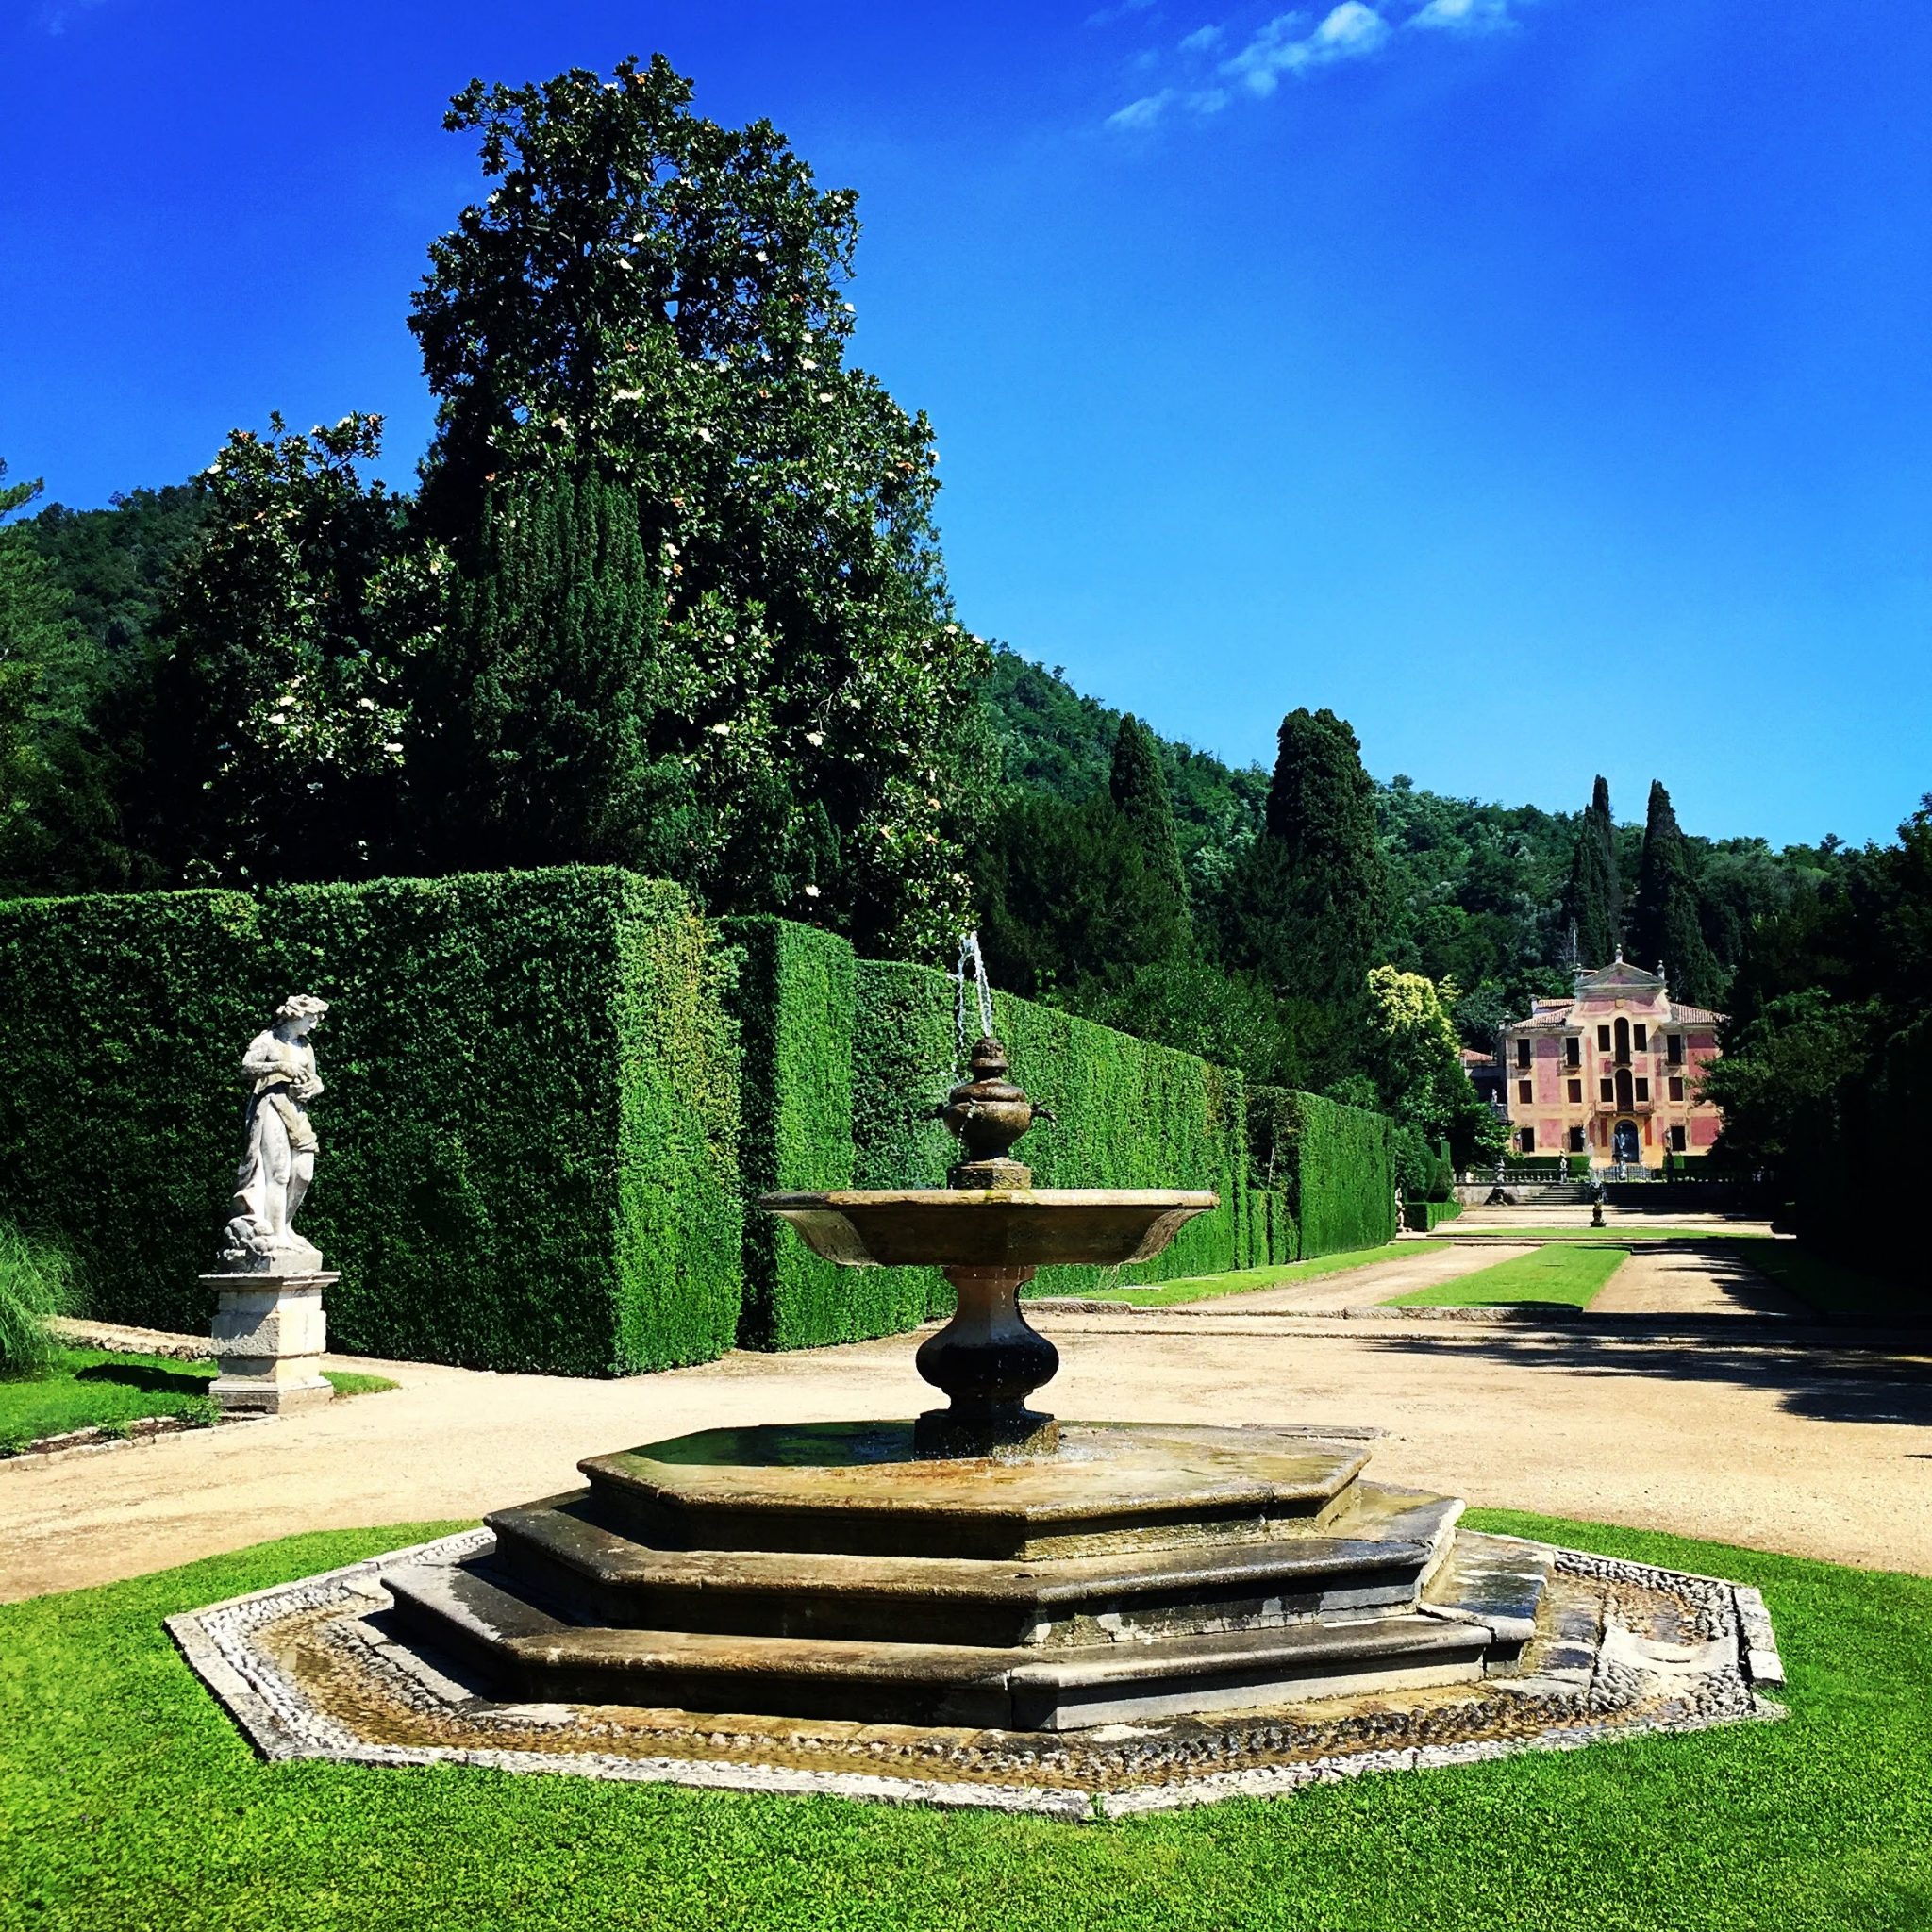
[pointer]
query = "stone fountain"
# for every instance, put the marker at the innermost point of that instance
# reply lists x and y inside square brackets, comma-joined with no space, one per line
[983,1603]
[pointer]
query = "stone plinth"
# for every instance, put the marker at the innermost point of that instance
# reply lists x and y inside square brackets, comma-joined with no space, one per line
[268,1336]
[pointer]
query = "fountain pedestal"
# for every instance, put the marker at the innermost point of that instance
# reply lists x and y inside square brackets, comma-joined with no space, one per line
[987,1360]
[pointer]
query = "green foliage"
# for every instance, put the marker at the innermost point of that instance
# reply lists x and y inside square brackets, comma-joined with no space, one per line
[36,1281]
[1664,917]
[1591,899]
[114,563]
[1138,789]
[1421,1217]
[273,744]
[527,737]
[1071,905]
[1826,1075]
[1411,1053]
[1334,1166]
[56,812]
[660,296]
[795,1003]
[530,1135]
[1308,908]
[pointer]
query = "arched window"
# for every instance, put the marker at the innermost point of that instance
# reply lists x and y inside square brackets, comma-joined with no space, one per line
[1625,1097]
[1623,1041]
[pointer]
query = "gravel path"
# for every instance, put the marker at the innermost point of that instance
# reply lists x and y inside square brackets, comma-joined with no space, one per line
[1423,1266]
[1822,1453]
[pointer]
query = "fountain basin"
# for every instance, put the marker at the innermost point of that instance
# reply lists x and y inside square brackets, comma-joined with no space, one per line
[989,1227]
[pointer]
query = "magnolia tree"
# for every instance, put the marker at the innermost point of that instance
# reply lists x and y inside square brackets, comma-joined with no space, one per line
[653,302]
[274,738]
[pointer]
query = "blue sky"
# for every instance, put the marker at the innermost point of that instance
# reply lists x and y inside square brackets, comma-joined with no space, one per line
[1545,385]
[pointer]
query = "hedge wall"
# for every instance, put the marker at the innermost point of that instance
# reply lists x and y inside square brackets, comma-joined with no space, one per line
[534,1153]
[1333,1165]
[122,1025]
[794,999]
[529,1133]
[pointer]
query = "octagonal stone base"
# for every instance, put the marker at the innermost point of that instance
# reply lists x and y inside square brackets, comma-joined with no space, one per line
[1150,1615]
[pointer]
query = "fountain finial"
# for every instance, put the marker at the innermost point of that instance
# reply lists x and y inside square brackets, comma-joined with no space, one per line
[988,1113]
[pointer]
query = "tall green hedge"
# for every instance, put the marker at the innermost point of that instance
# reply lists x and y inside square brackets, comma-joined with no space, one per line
[793,998]
[535,1154]
[122,1025]
[529,1133]
[1333,1165]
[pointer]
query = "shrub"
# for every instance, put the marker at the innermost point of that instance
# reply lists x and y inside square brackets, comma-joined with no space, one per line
[36,1281]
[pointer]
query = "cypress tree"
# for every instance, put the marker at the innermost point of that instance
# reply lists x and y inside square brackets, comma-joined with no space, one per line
[1664,919]
[1591,896]
[1607,834]
[533,713]
[1140,796]
[1310,903]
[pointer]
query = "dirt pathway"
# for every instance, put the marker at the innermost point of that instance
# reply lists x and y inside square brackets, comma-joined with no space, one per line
[1694,1281]
[1822,1455]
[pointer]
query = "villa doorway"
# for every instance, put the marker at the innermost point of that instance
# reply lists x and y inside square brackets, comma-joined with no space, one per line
[1625,1143]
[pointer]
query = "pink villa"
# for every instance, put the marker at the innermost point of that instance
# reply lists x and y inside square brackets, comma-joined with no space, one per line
[1611,1072]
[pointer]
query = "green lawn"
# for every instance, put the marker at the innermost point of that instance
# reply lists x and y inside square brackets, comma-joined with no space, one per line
[90,1387]
[1205,1288]
[1566,1274]
[128,1802]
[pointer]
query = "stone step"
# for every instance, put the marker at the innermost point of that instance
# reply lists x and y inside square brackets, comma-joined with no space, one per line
[552,1552]
[531,1654]
[862,1489]
[1492,1580]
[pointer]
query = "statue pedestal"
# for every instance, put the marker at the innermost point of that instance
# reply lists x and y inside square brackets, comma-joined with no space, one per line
[268,1336]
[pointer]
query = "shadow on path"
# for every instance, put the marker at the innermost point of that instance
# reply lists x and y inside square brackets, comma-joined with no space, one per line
[1825,1384]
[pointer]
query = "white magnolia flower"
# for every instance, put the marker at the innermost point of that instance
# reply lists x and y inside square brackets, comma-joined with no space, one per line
[811,891]
[703,436]
[721,730]
[814,737]
[805,362]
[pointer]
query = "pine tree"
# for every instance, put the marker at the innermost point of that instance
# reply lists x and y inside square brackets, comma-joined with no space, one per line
[1308,908]
[1664,917]
[531,739]
[1589,897]
[1138,786]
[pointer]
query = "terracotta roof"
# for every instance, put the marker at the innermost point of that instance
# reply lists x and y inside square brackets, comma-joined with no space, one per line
[1693,1016]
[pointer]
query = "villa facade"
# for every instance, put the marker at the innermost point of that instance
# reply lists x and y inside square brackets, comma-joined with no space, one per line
[1611,1072]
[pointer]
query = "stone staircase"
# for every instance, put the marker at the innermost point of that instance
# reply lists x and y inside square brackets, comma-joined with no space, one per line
[827,1572]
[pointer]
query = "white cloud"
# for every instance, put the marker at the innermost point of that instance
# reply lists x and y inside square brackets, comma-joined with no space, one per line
[1142,113]
[1350,32]
[1464,16]
[1200,40]
[1139,115]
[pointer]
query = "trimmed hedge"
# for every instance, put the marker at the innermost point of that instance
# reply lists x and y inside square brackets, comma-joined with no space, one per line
[536,1154]
[1333,1165]
[793,998]
[1420,1217]
[529,1135]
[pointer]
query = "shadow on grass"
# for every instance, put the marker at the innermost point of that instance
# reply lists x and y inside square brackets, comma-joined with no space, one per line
[139,1376]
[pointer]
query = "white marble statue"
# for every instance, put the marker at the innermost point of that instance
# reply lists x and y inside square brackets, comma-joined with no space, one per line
[279,1145]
